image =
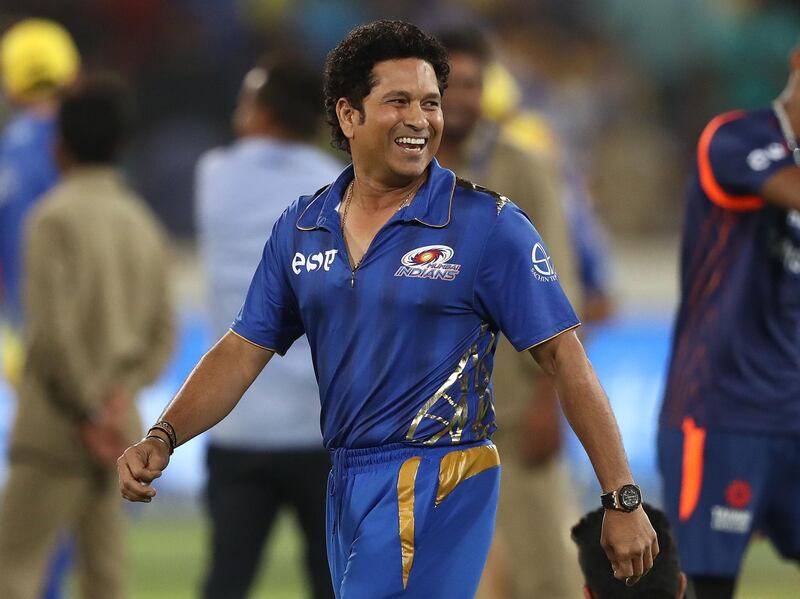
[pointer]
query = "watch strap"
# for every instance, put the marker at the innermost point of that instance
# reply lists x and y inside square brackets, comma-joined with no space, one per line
[609,500]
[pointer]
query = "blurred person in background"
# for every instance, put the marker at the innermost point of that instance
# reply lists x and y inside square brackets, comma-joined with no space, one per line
[502,104]
[403,330]
[256,453]
[98,326]
[37,59]
[729,438]
[532,529]
[664,581]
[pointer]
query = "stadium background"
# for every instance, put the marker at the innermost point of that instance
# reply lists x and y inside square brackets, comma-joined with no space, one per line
[627,86]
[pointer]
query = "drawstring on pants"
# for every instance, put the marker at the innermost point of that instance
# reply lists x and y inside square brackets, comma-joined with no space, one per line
[337,484]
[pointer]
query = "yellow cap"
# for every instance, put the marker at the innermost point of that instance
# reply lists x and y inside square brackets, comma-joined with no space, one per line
[501,93]
[37,55]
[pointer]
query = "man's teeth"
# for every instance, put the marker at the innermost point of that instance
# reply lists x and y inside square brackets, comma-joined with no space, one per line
[417,141]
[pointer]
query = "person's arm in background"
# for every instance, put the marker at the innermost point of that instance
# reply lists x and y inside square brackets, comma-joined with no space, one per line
[628,538]
[53,315]
[212,390]
[591,247]
[783,188]
[539,194]
[542,436]
[105,433]
[737,173]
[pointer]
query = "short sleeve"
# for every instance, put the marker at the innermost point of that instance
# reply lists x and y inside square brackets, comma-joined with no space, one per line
[516,285]
[269,316]
[737,153]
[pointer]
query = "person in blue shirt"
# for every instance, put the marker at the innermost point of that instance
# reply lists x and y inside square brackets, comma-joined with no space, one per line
[38,58]
[402,276]
[729,441]
[273,433]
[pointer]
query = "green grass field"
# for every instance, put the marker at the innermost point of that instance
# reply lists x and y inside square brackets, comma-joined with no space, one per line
[168,554]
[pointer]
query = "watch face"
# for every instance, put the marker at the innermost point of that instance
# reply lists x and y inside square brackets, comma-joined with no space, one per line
[629,497]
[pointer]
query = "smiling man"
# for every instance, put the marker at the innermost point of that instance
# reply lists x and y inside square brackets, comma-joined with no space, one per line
[425,271]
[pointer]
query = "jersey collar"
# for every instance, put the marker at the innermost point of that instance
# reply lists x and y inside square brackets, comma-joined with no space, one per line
[431,206]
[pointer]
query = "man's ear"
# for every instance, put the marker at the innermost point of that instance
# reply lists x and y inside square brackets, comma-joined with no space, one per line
[348,117]
[587,592]
[682,585]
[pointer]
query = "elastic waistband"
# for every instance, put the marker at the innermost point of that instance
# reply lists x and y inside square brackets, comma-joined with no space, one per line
[363,457]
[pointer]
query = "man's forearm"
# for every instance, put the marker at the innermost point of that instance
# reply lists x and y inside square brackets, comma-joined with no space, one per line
[215,386]
[586,407]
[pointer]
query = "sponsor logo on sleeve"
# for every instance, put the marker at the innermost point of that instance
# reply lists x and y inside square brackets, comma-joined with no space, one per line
[429,262]
[318,261]
[543,268]
[760,158]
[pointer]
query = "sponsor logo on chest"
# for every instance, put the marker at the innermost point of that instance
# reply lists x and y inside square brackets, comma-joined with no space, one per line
[318,261]
[429,262]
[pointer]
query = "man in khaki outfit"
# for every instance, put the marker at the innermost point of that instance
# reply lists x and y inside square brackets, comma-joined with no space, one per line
[99,327]
[532,555]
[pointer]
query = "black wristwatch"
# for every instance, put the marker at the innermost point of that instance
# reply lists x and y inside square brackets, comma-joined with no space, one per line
[625,499]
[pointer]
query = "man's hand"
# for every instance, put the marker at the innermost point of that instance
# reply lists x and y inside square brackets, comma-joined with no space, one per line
[139,466]
[104,434]
[541,427]
[207,396]
[630,543]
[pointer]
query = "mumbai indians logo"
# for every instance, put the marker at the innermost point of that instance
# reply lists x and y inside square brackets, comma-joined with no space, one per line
[543,268]
[429,262]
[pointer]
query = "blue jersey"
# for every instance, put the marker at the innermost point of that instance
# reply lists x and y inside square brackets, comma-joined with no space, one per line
[27,171]
[403,347]
[736,350]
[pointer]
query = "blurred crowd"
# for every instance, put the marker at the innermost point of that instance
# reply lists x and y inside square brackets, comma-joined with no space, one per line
[628,86]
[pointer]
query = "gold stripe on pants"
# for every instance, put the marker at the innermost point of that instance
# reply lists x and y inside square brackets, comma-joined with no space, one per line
[454,468]
[405,506]
[458,466]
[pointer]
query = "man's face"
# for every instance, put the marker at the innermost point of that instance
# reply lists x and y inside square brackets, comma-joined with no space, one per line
[462,103]
[397,133]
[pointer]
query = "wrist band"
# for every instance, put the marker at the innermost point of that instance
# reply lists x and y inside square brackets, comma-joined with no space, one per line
[164,441]
[168,429]
[166,432]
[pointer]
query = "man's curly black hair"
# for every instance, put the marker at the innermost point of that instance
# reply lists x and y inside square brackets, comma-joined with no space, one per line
[348,68]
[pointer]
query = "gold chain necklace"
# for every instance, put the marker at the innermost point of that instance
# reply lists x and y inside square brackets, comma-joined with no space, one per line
[348,198]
